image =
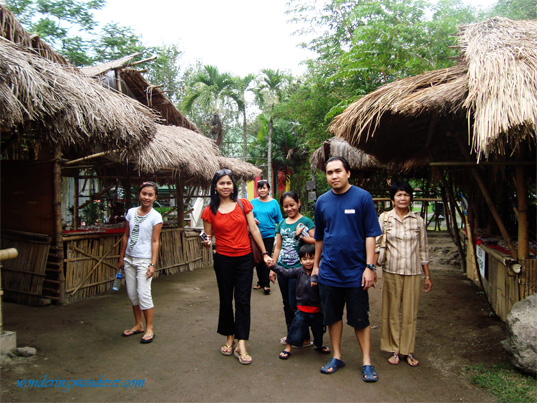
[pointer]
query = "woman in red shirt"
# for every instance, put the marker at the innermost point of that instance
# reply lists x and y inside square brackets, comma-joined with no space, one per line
[233,262]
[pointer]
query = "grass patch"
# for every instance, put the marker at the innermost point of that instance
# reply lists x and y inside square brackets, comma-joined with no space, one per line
[505,382]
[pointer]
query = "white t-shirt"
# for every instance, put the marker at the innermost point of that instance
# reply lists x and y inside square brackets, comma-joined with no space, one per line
[141,232]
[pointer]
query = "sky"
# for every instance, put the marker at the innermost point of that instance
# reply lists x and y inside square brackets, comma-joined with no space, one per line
[237,36]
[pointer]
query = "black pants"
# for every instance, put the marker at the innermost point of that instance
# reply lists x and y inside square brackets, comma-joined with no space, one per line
[234,276]
[262,269]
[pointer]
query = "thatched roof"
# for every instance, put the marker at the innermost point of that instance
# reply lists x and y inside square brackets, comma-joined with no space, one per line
[358,160]
[489,98]
[187,154]
[241,169]
[56,103]
[12,30]
[140,89]
[93,71]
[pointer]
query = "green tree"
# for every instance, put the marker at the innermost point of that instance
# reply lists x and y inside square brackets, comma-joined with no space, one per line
[516,9]
[58,22]
[213,90]
[165,70]
[115,42]
[270,92]
[242,86]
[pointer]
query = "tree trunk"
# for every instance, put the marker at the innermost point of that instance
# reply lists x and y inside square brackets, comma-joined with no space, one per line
[269,157]
[244,145]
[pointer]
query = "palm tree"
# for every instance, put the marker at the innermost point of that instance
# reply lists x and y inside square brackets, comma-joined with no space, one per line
[270,93]
[213,90]
[242,87]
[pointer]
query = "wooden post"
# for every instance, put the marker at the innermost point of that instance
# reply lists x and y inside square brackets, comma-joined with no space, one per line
[523,206]
[57,211]
[75,204]
[495,213]
[180,203]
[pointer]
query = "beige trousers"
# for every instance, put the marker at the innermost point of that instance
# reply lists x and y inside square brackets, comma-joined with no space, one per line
[400,297]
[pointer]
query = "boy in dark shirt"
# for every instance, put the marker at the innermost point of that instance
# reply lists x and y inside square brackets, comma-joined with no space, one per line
[308,303]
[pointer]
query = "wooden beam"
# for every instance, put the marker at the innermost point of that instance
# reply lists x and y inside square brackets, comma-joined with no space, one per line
[57,211]
[523,207]
[494,213]
[89,157]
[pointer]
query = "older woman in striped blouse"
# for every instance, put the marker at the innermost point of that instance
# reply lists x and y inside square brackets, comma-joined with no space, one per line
[406,259]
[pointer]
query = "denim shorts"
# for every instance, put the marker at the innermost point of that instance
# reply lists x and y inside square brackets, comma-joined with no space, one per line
[334,299]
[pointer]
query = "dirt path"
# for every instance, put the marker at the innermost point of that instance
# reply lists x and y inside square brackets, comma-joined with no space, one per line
[82,341]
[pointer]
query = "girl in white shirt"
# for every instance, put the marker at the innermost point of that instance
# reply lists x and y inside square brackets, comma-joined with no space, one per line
[138,255]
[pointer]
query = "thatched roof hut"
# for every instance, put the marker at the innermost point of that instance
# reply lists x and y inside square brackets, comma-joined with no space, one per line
[179,152]
[241,169]
[358,160]
[49,101]
[489,100]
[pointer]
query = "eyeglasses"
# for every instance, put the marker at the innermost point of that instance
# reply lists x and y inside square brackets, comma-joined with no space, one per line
[223,172]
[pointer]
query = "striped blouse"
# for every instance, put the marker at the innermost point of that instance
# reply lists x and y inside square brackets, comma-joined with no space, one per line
[407,248]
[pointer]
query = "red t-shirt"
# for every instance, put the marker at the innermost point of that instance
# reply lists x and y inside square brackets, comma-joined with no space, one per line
[230,230]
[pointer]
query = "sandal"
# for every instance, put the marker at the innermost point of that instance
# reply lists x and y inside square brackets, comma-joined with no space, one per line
[284,355]
[369,374]
[257,286]
[226,349]
[322,349]
[244,359]
[130,332]
[266,290]
[394,359]
[410,360]
[333,365]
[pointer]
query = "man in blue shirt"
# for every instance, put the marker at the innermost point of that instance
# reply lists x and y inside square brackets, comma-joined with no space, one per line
[346,225]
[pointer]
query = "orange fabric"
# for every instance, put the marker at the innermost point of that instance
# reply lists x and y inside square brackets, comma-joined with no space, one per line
[231,235]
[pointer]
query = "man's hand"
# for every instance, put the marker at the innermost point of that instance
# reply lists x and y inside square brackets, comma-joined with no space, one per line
[368,278]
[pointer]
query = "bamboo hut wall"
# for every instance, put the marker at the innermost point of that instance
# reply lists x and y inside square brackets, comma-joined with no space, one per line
[27,197]
[180,250]
[503,287]
[23,277]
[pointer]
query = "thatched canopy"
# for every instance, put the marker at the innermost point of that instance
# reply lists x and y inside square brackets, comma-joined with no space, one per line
[358,160]
[56,103]
[139,88]
[488,101]
[186,154]
[12,30]
[241,169]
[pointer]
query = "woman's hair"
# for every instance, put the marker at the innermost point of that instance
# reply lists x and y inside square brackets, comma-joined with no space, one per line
[345,163]
[215,198]
[146,184]
[263,182]
[292,195]
[400,185]
[306,250]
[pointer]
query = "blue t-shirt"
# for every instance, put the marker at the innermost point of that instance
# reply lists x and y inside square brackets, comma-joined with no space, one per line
[288,256]
[343,222]
[268,214]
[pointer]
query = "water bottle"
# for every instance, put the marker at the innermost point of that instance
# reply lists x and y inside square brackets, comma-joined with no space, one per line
[117,281]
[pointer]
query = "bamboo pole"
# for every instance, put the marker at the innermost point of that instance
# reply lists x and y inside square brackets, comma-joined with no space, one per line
[523,206]
[89,157]
[75,203]
[96,265]
[57,211]
[88,255]
[495,213]
[180,204]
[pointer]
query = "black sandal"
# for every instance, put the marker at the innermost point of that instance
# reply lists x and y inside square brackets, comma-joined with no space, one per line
[266,290]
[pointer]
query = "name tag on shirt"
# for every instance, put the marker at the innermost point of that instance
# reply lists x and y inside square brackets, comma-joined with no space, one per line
[350,211]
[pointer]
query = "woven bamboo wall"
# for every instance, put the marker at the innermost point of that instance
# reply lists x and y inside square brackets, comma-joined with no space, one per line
[88,274]
[502,286]
[23,277]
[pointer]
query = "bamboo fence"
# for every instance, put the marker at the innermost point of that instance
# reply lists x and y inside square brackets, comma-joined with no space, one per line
[23,277]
